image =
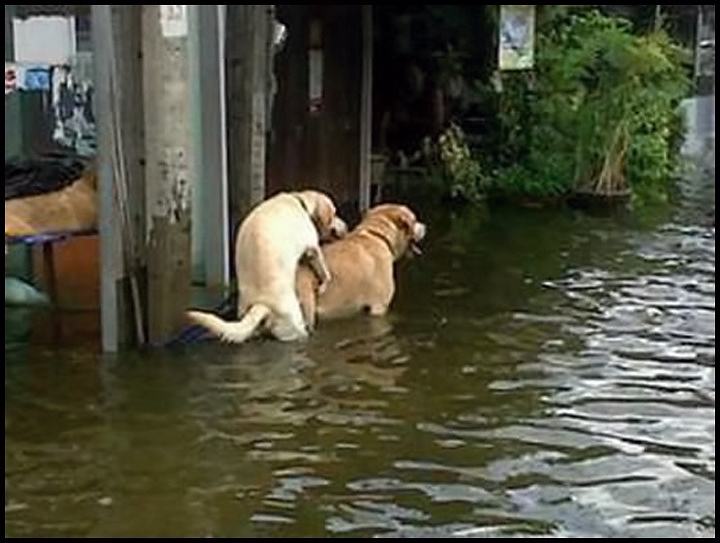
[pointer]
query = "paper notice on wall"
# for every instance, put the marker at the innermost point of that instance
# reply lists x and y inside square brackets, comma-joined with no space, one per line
[517,37]
[174,21]
[47,40]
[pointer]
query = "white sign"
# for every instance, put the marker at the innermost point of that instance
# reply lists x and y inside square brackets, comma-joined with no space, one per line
[174,21]
[47,40]
[517,37]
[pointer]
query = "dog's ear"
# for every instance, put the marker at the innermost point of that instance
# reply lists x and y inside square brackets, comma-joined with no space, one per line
[325,211]
[404,218]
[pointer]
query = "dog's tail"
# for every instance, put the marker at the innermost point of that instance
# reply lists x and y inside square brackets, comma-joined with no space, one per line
[231,332]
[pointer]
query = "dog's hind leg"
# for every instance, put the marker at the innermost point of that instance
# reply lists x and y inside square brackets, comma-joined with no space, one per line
[289,324]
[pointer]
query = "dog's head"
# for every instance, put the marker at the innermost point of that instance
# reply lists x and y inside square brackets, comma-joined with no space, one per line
[398,226]
[322,210]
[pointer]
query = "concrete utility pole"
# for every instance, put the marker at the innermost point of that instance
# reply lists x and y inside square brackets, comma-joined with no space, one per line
[166,89]
[107,23]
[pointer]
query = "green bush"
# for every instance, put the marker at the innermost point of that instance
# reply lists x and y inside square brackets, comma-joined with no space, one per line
[452,163]
[599,112]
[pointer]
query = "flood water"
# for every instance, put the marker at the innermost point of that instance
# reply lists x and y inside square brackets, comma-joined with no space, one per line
[541,372]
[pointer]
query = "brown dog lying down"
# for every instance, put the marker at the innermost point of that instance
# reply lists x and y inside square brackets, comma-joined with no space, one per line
[361,265]
[72,208]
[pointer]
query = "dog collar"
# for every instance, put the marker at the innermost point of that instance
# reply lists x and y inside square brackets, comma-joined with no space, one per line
[386,241]
[305,209]
[302,203]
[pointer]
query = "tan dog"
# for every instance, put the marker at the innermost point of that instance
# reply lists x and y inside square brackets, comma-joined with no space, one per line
[71,208]
[361,265]
[271,240]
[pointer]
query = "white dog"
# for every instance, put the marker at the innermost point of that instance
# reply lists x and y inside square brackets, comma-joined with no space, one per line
[271,240]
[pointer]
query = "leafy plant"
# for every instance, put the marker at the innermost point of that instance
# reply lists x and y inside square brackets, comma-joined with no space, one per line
[450,159]
[599,112]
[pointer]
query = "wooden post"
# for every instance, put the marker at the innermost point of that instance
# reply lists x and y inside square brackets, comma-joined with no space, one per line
[366,109]
[118,80]
[128,50]
[169,166]
[248,56]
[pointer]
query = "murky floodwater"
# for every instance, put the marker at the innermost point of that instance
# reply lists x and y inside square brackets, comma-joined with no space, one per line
[542,372]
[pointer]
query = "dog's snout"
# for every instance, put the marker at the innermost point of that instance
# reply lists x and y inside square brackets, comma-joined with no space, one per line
[419,231]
